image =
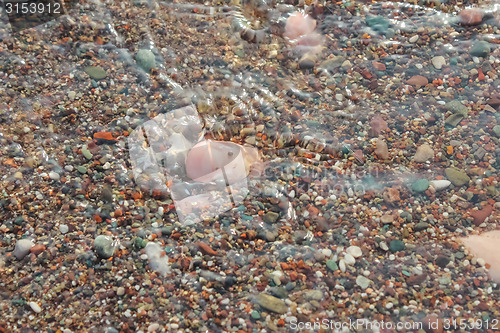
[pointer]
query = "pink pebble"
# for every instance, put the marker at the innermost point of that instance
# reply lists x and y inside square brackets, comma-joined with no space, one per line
[471,16]
[299,25]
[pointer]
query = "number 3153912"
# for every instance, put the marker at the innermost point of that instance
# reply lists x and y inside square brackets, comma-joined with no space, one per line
[32,8]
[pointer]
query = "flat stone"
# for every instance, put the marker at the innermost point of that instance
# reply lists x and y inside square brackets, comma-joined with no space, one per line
[457,107]
[480,215]
[420,185]
[456,176]
[387,218]
[418,80]
[270,217]
[421,226]
[424,153]
[313,295]
[453,120]
[332,63]
[96,72]
[396,245]
[416,279]
[496,130]
[363,281]
[272,303]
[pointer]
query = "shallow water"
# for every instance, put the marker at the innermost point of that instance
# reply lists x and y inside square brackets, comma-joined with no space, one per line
[318,112]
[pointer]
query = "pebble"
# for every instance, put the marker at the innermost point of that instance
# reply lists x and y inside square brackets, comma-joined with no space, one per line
[349,259]
[145,59]
[417,80]
[471,16]
[457,177]
[438,62]
[480,49]
[440,184]
[420,185]
[82,169]
[272,303]
[396,245]
[421,226]
[270,217]
[63,228]
[413,39]
[363,281]
[104,246]
[496,130]
[480,215]
[120,291]
[332,265]
[424,153]
[95,72]
[382,150]
[153,327]
[453,120]
[22,248]
[354,251]
[71,95]
[387,218]
[35,307]
[54,175]
[457,107]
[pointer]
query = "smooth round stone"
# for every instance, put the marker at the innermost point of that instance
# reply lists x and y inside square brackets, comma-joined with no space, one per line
[349,259]
[145,59]
[420,185]
[440,184]
[438,62]
[104,246]
[54,175]
[82,169]
[332,265]
[22,248]
[95,72]
[35,307]
[354,251]
[63,228]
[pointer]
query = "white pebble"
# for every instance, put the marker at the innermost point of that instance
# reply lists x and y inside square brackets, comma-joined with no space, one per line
[349,259]
[354,251]
[54,175]
[63,228]
[35,307]
[413,39]
[153,327]
[481,262]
